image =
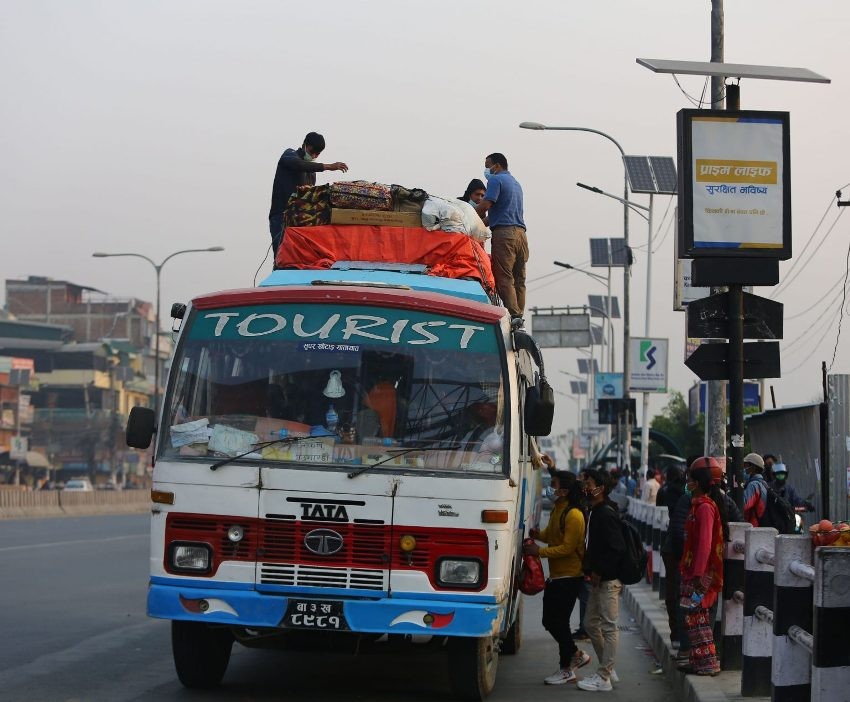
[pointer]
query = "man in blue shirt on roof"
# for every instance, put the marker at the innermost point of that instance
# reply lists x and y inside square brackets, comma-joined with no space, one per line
[502,204]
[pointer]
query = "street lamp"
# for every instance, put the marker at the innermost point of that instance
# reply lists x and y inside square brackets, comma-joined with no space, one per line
[158,268]
[537,126]
[607,283]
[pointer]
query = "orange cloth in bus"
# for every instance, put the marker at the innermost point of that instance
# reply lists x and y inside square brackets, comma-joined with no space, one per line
[446,254]
[382,399]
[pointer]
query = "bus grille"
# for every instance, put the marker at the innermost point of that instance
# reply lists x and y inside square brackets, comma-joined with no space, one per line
[317,576]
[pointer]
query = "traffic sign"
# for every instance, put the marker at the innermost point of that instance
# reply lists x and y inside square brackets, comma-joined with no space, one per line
[647,365]
[611,410]
[708,317]
[711,361]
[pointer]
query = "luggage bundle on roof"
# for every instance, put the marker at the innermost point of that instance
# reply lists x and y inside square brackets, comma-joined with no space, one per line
[362,202]
[373,222]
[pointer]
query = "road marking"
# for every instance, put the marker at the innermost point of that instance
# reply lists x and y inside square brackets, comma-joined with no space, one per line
[78,541]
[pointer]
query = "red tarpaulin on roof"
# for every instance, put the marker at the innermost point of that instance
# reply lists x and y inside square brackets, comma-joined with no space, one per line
[447,255]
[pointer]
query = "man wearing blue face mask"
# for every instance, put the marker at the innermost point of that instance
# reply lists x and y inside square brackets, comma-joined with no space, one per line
[784,489]
[296,167]
[503,206]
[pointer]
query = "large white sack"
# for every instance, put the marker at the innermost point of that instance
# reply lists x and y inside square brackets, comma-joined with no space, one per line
[451,215]
[472,222]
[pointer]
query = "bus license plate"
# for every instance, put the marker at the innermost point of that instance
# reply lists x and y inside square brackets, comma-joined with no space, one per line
[315,614]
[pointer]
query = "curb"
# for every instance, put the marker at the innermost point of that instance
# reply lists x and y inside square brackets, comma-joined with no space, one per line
[651,616]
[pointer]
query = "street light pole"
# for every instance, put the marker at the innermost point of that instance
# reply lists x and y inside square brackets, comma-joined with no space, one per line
[627,438]
[158,270]
[607,282]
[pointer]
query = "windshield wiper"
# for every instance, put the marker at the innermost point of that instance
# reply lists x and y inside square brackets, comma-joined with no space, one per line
[402,452]
[284,441]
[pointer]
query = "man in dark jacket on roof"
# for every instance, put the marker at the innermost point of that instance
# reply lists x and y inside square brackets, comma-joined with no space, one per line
[296,167]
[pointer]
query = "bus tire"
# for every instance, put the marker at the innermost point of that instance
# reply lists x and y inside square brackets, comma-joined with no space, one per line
[201,653]
[473,663]
[513,639]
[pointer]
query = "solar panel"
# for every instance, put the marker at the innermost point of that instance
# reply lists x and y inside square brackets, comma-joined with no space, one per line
[600,256]
[738,70]
[615,308]
[596,335]
[582,387]
[619,252]
[584,366]
[600,302]
[639,174]
[597,303]
[575,389]
[664,169]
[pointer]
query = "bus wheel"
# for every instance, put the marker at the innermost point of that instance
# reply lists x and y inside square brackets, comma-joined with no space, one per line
[201,653]
[472,666]
[513,639]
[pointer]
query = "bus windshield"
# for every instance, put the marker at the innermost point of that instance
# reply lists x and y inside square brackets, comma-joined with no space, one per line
[354,385]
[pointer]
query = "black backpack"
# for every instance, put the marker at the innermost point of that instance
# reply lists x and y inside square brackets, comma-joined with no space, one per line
[634,561]
[778,512]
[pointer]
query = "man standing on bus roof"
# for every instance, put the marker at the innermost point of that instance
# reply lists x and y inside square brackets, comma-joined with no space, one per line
[296,167]
[503,205]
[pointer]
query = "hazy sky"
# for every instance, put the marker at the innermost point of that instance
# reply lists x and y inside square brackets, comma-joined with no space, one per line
[155,126]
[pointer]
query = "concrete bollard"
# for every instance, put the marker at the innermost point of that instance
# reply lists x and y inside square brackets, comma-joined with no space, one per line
[655,515]
[732,612]
[792,607]
[757,644]
[831,652]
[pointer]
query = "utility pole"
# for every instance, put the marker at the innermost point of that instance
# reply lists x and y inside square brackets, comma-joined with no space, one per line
[715,400]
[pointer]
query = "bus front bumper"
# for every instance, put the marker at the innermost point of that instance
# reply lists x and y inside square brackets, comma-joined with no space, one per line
[238,604]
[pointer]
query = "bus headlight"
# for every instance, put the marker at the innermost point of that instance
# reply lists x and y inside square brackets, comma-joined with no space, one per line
[459,572]
[195,558]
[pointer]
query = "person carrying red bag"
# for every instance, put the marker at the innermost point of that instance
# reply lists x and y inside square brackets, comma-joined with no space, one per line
[564,536]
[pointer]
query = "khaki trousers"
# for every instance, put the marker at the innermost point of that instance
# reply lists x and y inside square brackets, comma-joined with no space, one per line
[603,611]
[509,249]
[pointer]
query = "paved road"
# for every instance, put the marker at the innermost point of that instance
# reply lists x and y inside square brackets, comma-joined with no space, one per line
[73,628]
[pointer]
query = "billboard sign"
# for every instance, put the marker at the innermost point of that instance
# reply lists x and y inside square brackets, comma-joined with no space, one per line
[608,385]
[684,293]
[735,184]
[561,330]
[648,365]
[19,448]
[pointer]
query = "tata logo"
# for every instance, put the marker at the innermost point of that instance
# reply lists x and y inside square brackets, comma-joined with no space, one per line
[323,542]
[334,513]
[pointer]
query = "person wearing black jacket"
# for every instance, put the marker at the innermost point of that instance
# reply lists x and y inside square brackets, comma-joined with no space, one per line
[604,549]
[668,496]
[296,167]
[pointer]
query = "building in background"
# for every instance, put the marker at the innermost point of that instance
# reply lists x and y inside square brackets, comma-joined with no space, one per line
[92,358]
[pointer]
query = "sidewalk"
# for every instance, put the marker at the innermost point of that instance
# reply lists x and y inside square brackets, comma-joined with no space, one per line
[651,617]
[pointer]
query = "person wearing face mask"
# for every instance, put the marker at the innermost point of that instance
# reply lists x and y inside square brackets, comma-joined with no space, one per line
[604,549]
[564,536]
[701,568]
[296,167]
[783,489]
[503,207]
[769,460]
[474,192]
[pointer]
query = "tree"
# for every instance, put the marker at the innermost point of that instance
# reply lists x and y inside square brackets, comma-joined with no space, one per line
[674,421]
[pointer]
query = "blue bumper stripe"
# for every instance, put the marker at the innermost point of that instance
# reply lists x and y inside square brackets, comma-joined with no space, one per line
[254,609]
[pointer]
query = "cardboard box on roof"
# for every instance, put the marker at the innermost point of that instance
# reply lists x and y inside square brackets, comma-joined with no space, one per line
[376,218]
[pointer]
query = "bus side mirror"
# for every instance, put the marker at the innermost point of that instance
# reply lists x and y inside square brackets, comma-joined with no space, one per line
[539,409]
[140,427]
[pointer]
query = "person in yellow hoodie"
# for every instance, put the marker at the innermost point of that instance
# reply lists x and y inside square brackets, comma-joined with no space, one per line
[564,538]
